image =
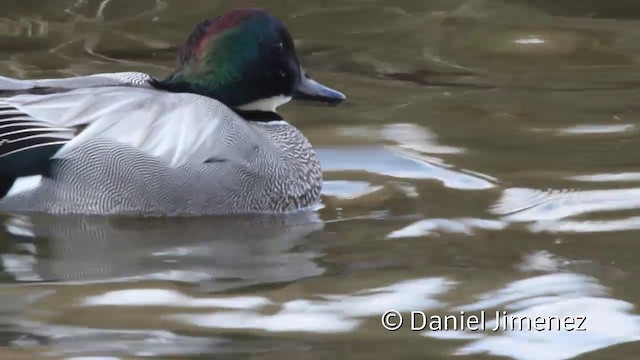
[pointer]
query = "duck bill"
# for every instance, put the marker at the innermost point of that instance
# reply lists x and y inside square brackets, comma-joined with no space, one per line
[311,90]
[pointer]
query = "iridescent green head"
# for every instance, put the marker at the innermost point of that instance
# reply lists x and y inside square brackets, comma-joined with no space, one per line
[247,60]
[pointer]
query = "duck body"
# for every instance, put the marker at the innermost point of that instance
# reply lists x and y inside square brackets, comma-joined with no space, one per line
[127,143]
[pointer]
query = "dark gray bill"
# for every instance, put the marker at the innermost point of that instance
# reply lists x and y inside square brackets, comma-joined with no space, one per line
[311,90]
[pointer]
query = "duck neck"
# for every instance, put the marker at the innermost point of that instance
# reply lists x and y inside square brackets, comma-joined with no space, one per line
[218,91]
[258,116]
[178,82]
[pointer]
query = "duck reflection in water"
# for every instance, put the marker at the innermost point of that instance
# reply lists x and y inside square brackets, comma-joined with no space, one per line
[219,254]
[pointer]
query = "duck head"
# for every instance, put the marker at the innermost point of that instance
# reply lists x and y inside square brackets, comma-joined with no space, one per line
[247,60]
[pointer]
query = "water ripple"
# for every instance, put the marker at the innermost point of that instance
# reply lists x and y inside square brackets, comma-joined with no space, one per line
[523,205]
[435,226]
[91,343]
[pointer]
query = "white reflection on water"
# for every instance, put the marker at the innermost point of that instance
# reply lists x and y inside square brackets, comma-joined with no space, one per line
[608,321]
[631,223]
[163,297]
[398,164]
[596,129]
[20,266]
[345,189]
[552,285]
[284,321]
[541,261]
[19,226]
[532,40]
[417,138]
[519,204]
[407,136]
[435,226]
[331,313]
[617,177]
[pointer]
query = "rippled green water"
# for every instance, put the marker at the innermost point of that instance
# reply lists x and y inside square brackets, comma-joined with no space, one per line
[488,160]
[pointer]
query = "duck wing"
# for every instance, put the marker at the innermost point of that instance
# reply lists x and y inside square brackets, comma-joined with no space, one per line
[178,128]
[137,79]
[27,143]
[20,135]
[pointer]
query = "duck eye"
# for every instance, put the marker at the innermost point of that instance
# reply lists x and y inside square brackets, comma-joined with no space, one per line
[279,48]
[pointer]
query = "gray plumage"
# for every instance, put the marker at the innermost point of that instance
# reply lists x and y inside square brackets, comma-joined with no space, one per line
[145,151]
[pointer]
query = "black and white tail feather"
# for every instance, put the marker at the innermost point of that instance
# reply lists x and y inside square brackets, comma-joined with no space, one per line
[26,145]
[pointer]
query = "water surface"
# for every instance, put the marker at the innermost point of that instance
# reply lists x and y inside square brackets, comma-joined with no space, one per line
[488,159]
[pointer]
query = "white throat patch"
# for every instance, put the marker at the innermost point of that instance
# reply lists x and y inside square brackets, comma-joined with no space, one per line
[268,104]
